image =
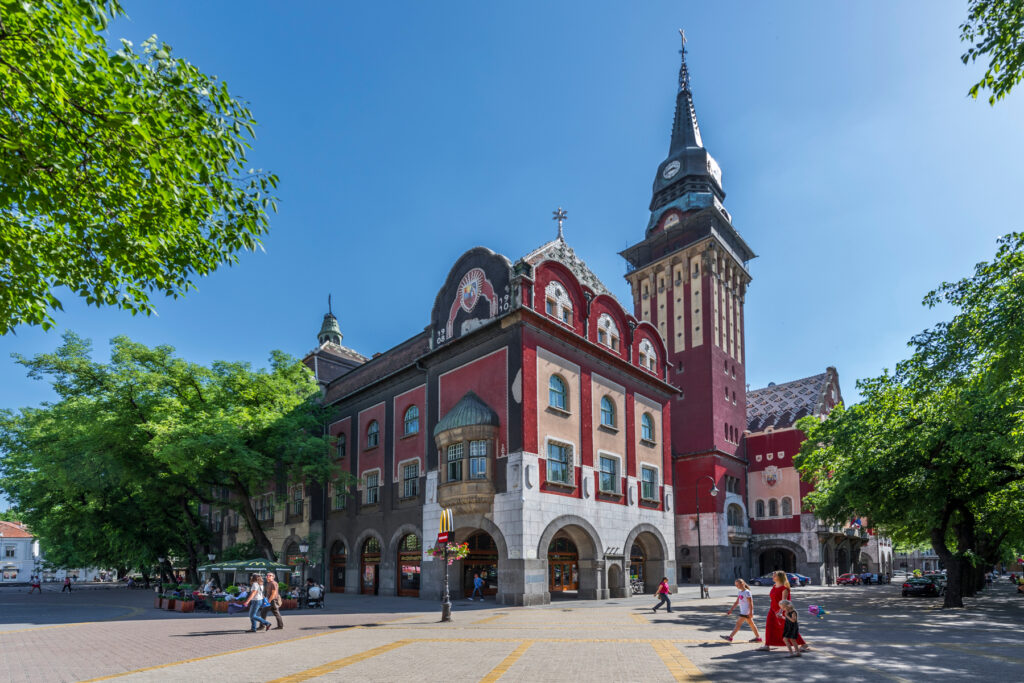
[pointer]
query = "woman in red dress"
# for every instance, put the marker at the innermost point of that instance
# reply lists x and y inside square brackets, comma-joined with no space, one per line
[775,624]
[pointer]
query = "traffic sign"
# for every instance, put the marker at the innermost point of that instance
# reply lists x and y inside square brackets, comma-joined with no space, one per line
[442,537]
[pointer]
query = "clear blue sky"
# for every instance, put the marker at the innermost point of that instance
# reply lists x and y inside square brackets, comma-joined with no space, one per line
[407,132]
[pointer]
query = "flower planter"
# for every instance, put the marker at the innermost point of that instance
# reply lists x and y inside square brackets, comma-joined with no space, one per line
[220,606]
[169,603]
[158,602]
[289,603]
[184,605]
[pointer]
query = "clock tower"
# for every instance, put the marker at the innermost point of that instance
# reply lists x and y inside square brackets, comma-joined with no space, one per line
[689,278]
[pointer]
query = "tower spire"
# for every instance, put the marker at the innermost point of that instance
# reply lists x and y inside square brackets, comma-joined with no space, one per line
[329,329]
[685,131]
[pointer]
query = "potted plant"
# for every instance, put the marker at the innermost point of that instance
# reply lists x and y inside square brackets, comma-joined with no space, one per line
[167,601]
[289,600]
[220,604]
[184,604]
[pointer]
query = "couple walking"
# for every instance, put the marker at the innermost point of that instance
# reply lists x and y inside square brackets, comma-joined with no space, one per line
[263,598]
[781,628]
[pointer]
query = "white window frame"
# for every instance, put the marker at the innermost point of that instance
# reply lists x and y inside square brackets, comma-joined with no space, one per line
[653,437]
[617,480]
[486,457]
[614,411]
[406,481]
[375,432]
[657,480]
[415,422]
[461,445]
[367,488]
[565,392]
[570,463]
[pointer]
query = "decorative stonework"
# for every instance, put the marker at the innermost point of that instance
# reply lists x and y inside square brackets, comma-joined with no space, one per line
[558,250]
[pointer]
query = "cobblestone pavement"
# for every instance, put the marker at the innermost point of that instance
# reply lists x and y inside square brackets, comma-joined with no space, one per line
[869,634]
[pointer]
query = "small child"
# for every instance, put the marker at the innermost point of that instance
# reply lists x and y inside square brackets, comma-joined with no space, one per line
[791,630]
[745,601]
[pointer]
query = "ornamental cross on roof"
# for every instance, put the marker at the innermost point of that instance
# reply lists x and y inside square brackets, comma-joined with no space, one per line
[559,215]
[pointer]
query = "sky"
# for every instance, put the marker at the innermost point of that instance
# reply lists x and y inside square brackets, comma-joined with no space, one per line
[405,133]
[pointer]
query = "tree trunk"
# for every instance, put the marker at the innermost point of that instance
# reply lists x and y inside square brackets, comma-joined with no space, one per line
[258,537]
[190,546]
[953,596]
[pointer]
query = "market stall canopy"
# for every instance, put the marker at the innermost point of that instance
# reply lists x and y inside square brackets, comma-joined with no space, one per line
[259,564]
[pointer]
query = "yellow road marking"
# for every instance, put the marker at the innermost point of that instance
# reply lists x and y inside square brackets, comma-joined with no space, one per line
[500,670]
[218,654]
[640,619]
[329,667]
[678,664]
[488,620]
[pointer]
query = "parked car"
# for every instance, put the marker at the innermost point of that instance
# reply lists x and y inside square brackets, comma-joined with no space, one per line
[765,580]
[795,580]
[848,580]
[805,580]
[924,585]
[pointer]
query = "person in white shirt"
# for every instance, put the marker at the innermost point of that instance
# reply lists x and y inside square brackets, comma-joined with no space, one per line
[745,601]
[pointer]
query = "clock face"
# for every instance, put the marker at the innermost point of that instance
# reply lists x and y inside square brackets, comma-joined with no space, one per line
[670,170]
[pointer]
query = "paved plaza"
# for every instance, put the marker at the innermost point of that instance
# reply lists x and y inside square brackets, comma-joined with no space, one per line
[869,634]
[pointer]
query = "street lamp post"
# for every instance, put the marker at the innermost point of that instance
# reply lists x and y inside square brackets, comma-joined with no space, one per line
[303,548]
[700,556]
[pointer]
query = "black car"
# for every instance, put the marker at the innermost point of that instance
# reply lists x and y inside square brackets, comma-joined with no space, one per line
[924,585]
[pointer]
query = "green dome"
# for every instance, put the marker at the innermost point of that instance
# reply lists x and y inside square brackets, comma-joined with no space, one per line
[469,411]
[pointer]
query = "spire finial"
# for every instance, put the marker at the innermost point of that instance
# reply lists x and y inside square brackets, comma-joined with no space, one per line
[329,305]
[684,73]
[559,215]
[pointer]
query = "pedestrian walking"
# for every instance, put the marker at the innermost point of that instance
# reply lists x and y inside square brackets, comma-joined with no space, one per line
[478,587]
[35,585]
[774,625]
[745,602]
[67,584]
[273,595]
[791,628]
[662,592]
[254,601]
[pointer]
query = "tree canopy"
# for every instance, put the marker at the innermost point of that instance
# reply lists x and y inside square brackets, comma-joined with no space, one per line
[995,31]
[122,174]
[113,472]
[934,453]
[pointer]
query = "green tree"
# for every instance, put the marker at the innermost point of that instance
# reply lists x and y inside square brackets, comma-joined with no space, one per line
[935,452]
[167,434]
[121,174]
[995,31]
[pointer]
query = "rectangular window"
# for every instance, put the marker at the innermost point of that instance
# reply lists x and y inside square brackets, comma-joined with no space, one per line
[297,501]
[411,480]
[609,475]
[559,463]
[477,459]
[10,551]
[372,488]
[550,306]
[615,343]
[455,462]
[649,483]
[566,316]
[337,496]
[602,337]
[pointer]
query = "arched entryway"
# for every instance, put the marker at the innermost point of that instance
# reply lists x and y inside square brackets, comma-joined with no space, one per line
[410,552]
[563,565]
[482,560]
[774,559]
[647,560]
[615,579]
[339,555]
[369,567]
[842,562]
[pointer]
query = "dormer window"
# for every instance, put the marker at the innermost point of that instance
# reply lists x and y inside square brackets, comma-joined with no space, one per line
[557,303]
[648,357]
[607,332]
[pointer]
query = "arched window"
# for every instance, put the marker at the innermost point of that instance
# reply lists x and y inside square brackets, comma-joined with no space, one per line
[557,303]
[341,446]
[735,514]
[787,507]
[558,393]
[607,412]
[647,427]
[607,332]
[773,508]
[372,434]
[648,357]
[759,509]
[412,420]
